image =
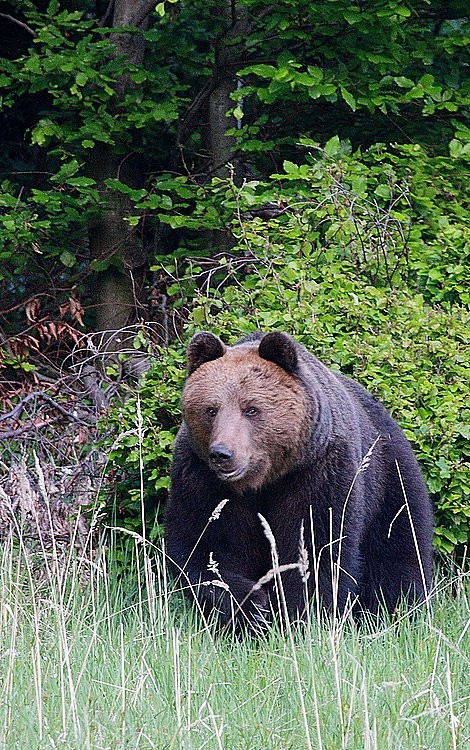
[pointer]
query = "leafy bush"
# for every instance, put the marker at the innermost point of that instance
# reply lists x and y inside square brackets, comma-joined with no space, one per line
[350,275]
[406,354]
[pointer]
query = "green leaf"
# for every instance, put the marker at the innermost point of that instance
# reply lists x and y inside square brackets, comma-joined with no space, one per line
[404,83]
[290,167]
[383,191]
[332,147]
[443,465]
[199,315]
[348,98]
[67,258]
[81,182]
[262,70]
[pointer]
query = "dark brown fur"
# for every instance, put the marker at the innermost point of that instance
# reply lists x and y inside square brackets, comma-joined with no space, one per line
[269,429]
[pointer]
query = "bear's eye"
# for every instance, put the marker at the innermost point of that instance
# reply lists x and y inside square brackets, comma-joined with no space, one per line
[211,411]
[252,411]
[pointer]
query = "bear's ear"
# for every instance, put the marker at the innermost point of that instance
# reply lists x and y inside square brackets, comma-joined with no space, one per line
[280,349]
[202,348]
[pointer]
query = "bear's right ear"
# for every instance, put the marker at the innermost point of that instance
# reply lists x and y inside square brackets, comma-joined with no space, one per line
[204,347]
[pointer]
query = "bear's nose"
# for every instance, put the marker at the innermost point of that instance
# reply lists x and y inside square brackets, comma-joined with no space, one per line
[220,454]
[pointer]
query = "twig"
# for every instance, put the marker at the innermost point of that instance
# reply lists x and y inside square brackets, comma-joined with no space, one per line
[12,434]
[16,411]
[109,9]
[19,23]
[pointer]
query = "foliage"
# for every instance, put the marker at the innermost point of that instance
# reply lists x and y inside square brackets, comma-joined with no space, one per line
[138,439]
[396,213]
[63,104]
[72,65]
[370,292]
[62,100]
[371,49]
[372,66]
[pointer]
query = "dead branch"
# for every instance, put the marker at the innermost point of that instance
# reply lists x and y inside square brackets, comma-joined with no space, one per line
[19,23]
[16,411]
[13,434]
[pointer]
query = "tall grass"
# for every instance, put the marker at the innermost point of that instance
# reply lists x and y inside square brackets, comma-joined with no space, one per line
[118,660]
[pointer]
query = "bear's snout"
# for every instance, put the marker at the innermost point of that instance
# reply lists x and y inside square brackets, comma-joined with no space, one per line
[220,454]
[228,464]
[223,461]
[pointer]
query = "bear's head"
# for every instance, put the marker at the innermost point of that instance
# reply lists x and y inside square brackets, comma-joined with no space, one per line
[245,409]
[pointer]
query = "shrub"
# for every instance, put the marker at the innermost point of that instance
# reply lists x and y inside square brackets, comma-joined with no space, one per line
[351,276]
[406,353]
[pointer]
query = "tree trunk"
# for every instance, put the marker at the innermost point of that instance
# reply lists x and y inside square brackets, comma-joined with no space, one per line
[113,242]
[222,146]
[227,56]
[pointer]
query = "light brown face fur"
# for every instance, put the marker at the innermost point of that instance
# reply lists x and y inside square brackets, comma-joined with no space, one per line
[251,412]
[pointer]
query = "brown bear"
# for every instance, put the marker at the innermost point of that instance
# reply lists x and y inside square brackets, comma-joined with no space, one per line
[302,454]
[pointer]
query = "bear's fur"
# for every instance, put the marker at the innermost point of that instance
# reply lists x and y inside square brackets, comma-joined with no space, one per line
[271,430]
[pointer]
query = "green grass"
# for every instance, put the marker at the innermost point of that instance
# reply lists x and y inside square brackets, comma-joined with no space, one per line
[120,662]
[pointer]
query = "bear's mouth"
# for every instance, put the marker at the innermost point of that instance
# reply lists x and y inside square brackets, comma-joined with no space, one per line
[231,475]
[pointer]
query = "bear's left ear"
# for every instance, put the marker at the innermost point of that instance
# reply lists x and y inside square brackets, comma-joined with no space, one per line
[280,349]
[204,347]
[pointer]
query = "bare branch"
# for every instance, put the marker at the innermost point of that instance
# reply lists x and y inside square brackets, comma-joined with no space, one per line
[19,23]
[105,18]
[16,411]
[13,434]
[199,101]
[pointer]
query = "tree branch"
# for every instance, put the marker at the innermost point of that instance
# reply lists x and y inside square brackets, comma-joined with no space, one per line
[105,18]
[185,126]
[12,434]
[16,411]
[19,23]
